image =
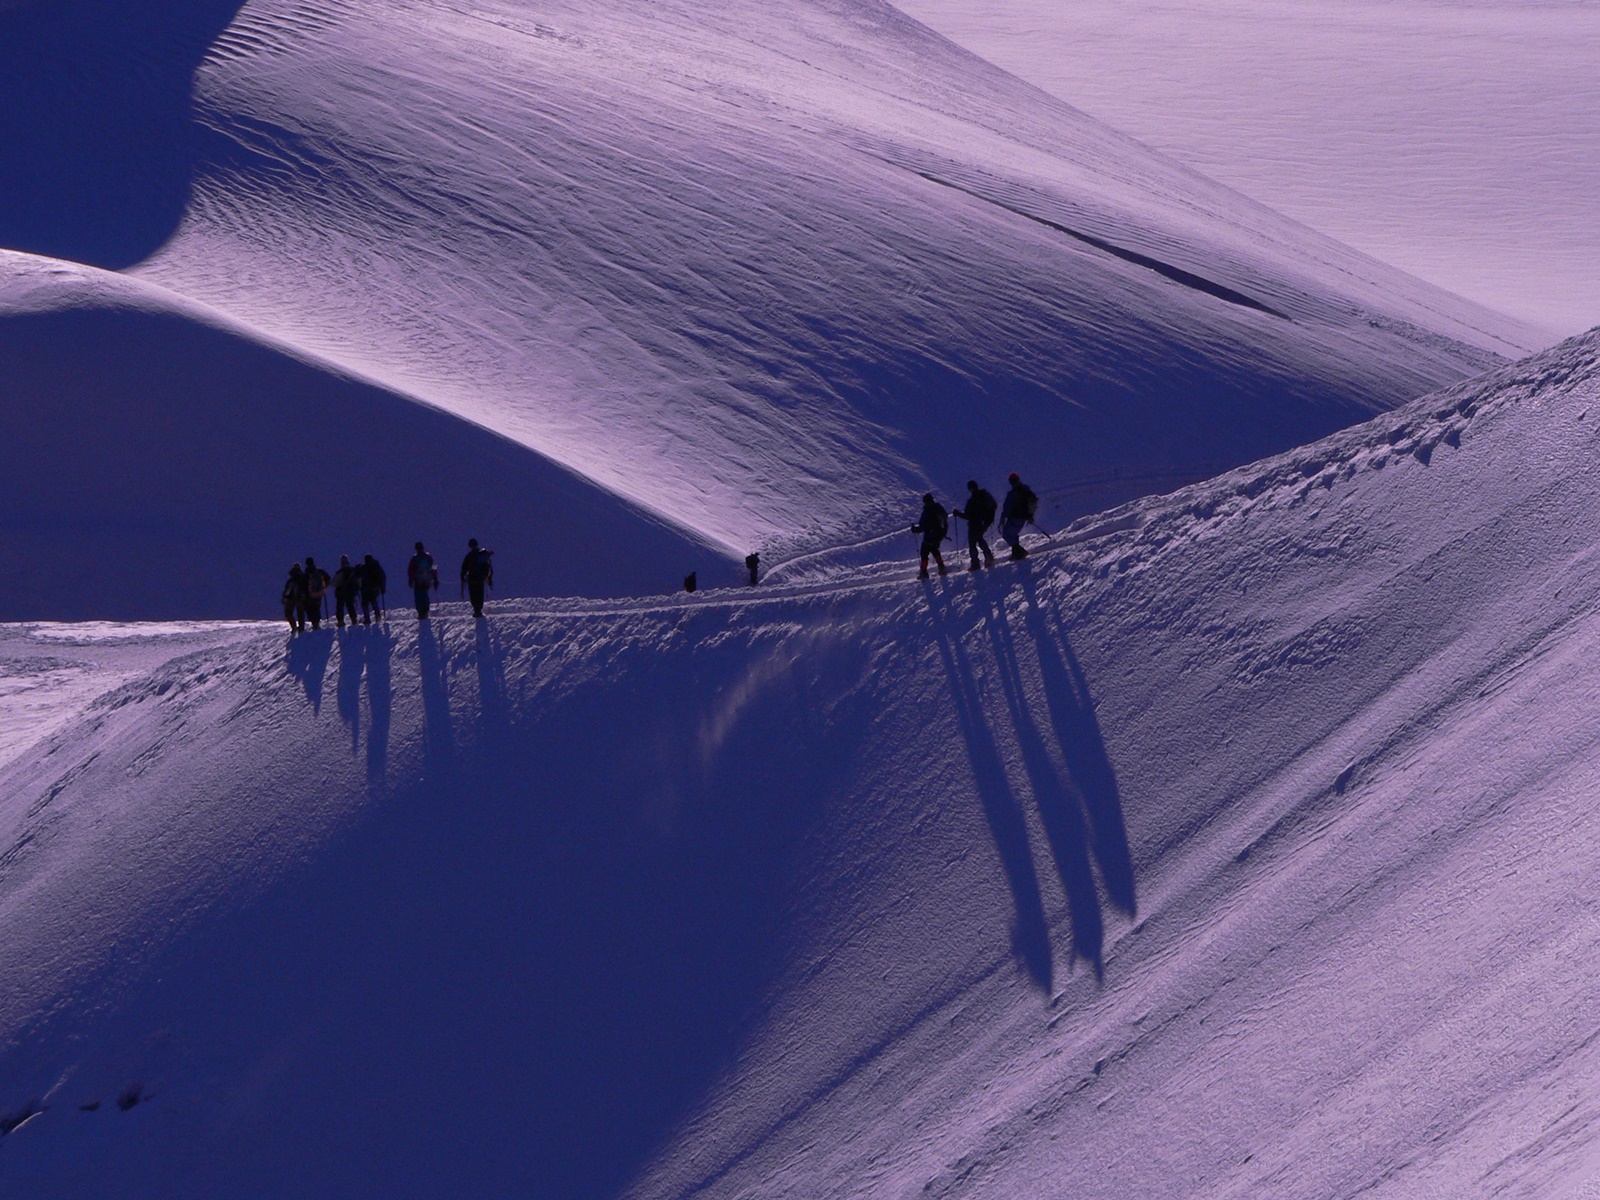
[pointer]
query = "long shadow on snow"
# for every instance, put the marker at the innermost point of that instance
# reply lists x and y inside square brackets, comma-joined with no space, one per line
[1059,812]
[517,975]
[1066,694]
[307,660]
[380,698]
[435,677]
[1030,935]
[352,658]
[1081,813]
[491,679]
[96,132]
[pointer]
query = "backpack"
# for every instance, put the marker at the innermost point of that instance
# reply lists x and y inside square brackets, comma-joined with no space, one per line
[1030,502]
[936,522]
[482,565]
[981,509]
[423,572]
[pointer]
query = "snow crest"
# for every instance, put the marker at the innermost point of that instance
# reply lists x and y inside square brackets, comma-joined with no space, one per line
[1210,851]
[756,270]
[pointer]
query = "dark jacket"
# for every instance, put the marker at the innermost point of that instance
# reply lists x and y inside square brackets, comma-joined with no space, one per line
[478,566]
[1021,503]
[317,581]
[421,573]
[980,510]
[373,579]
[934,522]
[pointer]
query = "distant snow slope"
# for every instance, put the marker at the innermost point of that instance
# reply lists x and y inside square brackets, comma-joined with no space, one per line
[1454,140]
[761,267]
[1240,845]
[163,461]
[51,672]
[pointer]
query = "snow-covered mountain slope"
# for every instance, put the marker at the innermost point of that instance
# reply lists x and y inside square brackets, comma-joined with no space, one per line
[163,461]
[758,266]
[1454,140]
[1238,845]
[51,672]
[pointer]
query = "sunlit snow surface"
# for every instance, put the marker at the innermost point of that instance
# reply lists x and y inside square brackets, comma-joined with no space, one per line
[165,459]
[1456,140]
[50,672]
[1240,844]
[761,270]
[1236,843]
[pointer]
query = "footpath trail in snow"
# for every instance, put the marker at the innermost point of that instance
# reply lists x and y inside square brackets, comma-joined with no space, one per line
[758,270]
[1238,845]
[50,672]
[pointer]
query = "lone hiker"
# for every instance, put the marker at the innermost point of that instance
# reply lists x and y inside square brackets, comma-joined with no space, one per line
[423,576]
[294,599]
[752,563]
[1019,508]
[374,586]
[979,515]
[317,582]
[346,583]
[933,525]
[477,569]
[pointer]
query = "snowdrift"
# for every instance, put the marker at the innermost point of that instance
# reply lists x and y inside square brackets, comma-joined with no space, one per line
[761,268]
[166,462]
[1236,845]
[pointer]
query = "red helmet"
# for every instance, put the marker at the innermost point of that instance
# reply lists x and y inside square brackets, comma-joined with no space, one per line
[1015,478]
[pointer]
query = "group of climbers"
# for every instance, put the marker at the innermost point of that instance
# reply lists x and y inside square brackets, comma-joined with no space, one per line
[1018,511]
[306,590]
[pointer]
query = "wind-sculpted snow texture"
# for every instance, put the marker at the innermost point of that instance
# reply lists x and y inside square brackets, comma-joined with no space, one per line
[1454,140]
[163,460]
[1238,845]
[52,671]
[757,266]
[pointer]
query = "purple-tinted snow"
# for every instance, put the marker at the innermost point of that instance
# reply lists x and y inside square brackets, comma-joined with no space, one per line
[1236,843]
[1455,140]
[761,269]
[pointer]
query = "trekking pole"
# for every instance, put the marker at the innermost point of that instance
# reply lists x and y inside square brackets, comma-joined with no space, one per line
[1048,536]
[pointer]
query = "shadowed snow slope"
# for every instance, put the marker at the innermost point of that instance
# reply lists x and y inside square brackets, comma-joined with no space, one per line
[1237,846]
[756,265]
[164,462]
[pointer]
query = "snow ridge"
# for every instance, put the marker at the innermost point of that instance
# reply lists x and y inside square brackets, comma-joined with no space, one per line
[690,259]
[868,886]
[168,461]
